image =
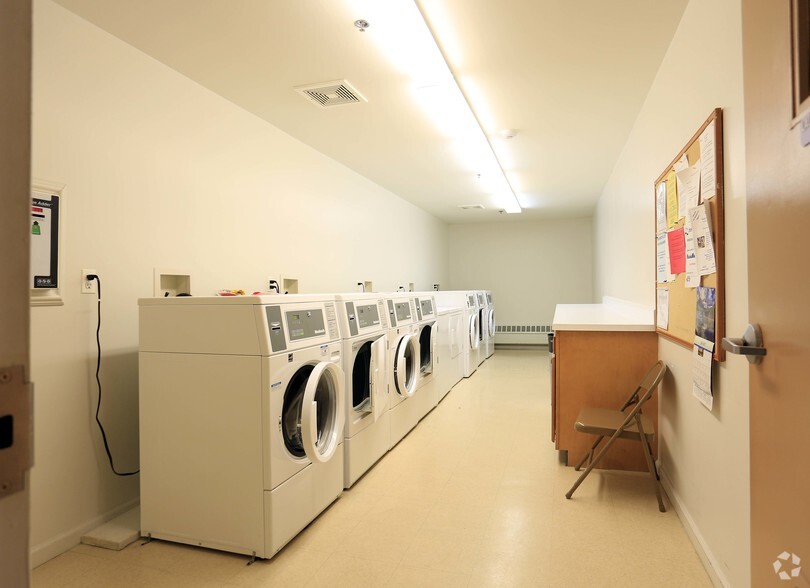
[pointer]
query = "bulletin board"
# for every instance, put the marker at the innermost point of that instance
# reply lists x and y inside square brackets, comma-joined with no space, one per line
[702,155]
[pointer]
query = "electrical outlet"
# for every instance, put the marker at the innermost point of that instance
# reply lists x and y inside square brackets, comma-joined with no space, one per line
[89,286]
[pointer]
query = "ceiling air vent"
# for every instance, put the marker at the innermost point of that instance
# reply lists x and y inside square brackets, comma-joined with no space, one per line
[331,94]
[471,206]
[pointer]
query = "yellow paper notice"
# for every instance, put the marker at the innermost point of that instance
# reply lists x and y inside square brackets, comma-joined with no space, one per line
[672,199]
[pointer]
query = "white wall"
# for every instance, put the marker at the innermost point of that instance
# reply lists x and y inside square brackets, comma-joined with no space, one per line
[529,266]
[160,172]
[704,454]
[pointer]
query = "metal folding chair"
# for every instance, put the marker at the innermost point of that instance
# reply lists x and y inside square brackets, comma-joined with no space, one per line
[618,424]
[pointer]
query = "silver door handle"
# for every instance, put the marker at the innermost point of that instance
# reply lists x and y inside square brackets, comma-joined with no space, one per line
[750,345]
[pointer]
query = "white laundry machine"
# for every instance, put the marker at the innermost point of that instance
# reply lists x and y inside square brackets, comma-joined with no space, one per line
[427,396]
[364,326]
[241,418]
[403,364]
[449,343]
[470,329]
[489,324]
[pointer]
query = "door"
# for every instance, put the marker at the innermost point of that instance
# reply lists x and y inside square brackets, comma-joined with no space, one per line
[405,370]
[455,334]
[491,323]
[473,330]
[379,380]
[15,210]
[312,413]
[778,195]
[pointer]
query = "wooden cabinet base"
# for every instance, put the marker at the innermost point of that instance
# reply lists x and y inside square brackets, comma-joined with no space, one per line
[600,369]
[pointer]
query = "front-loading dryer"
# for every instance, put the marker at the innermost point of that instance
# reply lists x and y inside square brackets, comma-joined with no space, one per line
[427,328]
[364,326]
[241,418]
[469,333]
[403,364]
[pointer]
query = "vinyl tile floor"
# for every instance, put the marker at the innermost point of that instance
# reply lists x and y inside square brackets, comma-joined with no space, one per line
[473,496]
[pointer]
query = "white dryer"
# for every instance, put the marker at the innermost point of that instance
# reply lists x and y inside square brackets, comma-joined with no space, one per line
[427,395]
[364,325]
[489,324]
[470,329]
[403,365]
[241,418]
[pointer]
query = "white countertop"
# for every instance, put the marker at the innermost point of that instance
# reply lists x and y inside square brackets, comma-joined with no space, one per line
[612,315]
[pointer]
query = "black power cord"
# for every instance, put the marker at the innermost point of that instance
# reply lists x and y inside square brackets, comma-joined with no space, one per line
[90,277]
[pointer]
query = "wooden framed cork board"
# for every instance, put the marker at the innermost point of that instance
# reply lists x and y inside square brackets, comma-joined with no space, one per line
[690,244]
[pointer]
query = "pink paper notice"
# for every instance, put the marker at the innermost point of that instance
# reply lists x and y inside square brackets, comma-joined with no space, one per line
[677,251]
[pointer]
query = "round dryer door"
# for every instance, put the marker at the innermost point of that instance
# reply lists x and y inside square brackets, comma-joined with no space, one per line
[322,412]
[405,366]
[491,322]
[312,414]
[474,331]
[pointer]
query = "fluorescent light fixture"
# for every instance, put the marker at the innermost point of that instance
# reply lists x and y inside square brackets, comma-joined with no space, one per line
[408,43]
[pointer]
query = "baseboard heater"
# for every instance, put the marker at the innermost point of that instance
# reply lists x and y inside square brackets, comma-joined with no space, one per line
[523,329]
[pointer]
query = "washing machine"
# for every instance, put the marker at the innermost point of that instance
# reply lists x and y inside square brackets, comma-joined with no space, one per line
[470,329]
[403,364]
[241,418]
[364,327]
[449,343]
[489,324]
[427,327]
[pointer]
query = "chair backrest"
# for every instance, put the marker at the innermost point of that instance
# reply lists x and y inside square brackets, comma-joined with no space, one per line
[647,386]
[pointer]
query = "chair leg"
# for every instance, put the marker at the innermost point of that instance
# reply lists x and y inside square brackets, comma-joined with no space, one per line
[592,465]
[589,454]
[655,468]
[653,473]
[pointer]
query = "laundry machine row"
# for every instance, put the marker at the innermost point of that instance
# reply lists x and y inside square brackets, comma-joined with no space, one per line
[257,411]
[467,303]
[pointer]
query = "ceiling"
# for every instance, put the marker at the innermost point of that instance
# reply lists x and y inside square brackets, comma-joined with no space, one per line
[569,77]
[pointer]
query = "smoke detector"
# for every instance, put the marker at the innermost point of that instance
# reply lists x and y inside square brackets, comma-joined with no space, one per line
[330,94]
[471,206]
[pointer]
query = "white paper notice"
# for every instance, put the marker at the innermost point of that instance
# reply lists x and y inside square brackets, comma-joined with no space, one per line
[702,376]
[699,218]
[662,275]
[661,208]
[708,172]
[663,308]
[680,166]
[689,188]
[692,274]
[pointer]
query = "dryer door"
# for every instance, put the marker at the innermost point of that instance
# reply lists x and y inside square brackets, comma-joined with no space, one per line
[491,322]
[379,381]
[322,412]
[455,332]
[473,334]
[406,366]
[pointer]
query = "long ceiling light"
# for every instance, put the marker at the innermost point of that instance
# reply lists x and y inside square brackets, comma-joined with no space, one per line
[411,47]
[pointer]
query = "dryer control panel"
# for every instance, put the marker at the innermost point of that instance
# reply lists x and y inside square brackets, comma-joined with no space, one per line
[301,323]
